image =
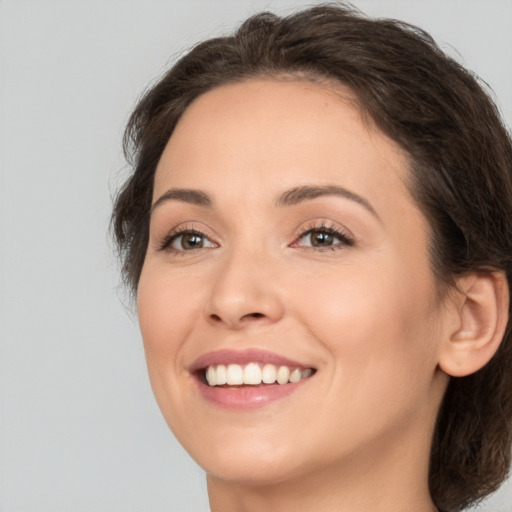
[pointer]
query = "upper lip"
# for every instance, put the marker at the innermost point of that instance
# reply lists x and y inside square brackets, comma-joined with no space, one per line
[228,356]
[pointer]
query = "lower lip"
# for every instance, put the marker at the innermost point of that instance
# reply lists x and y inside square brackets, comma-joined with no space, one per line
[247,397]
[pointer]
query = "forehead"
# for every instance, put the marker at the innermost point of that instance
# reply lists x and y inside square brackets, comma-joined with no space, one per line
[258,136]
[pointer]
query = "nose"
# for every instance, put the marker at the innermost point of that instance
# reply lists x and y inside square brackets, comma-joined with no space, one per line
[245,293]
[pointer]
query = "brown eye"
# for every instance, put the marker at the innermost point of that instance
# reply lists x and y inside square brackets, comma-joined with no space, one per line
[321,239]
[324,238]
[188,241]
[191,241]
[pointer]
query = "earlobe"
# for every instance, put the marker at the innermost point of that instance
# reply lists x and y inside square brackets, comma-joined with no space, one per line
[479,315]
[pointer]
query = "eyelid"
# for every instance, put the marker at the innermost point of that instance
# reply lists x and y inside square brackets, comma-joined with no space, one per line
[165,243]
[346,239]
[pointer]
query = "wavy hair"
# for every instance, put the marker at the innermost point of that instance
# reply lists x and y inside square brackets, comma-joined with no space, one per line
[461,176]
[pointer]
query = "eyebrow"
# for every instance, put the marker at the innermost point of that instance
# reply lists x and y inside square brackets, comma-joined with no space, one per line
[307,192]
[185,195]
[290,197]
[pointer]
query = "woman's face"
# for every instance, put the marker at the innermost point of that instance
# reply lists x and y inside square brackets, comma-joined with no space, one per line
[285,244]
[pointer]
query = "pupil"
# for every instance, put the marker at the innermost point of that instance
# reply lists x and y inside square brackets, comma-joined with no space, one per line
[322,238]
[192,241]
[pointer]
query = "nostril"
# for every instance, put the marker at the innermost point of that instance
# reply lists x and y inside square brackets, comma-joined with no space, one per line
[236,320]
[254,315]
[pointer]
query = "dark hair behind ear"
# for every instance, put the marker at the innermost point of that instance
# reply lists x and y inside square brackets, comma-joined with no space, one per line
[461,168]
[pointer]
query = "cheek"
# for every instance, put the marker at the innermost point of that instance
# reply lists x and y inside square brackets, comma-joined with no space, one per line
[168,309]
[379,333]
[368,318]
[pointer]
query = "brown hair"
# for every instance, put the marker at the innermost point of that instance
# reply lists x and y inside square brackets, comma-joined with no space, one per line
[461,168]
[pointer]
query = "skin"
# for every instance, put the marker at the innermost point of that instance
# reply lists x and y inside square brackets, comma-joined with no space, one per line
[366,314]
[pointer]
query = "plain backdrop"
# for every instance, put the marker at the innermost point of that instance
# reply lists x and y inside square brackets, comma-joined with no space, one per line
[79,428]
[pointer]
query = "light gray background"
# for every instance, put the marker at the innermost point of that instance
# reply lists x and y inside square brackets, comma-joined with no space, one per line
[79,429]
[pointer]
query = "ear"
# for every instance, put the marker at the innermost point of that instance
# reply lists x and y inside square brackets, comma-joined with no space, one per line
[478,316]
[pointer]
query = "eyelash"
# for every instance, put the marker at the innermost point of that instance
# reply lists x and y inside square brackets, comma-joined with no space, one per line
[345,239]
[166,243]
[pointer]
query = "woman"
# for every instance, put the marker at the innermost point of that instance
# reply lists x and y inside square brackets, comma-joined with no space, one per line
[318,232]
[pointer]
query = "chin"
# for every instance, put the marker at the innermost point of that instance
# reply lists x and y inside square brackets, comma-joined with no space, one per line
[247,460]
[262,471]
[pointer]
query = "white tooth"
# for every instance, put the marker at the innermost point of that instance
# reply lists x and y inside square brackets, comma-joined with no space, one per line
[252,374]
[210,376]
[269,374]
[283,374]
[296,375]
[234,375]
[220,376]
[305,374]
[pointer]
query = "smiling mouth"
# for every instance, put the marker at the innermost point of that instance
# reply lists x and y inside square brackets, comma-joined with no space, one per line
[252,374]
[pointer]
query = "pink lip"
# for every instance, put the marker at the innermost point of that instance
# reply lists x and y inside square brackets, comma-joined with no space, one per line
[244,397]
[247,397]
